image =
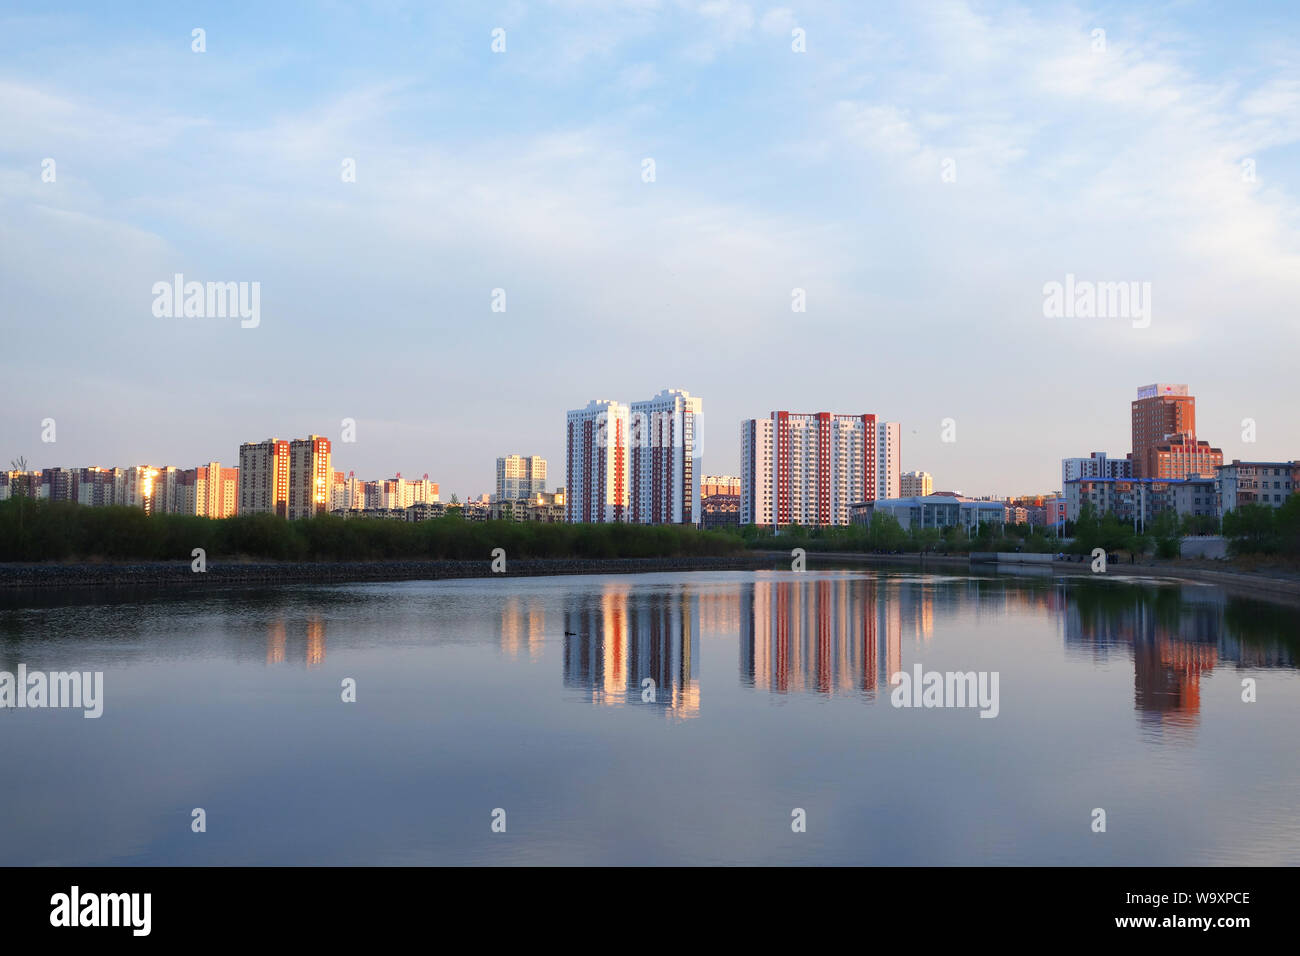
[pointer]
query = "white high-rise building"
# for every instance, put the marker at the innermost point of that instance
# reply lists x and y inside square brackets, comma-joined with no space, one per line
[756,471]
[520,476]
[596,462]
[807,469]
[888,460]
[664,471]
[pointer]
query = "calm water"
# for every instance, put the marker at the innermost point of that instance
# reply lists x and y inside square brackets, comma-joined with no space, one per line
[771,693]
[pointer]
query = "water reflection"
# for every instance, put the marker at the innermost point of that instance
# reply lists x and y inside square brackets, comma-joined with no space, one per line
[528,692]
[628,645]
[1175,636]
[277,638]
[523,626]
[846,635]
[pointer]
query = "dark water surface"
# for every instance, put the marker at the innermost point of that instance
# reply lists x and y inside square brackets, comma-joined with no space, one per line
[771,692]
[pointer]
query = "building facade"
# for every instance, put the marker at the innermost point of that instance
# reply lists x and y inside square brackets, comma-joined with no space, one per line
[915,484]
[1256,482]
[720,511]
[1138,500]
[808,469]
[756,472]
[264,477]
[719,485]
[310,477]
[596,462]
[209,491]
[1096,465]
[543,507]
[520,476]
[664,475]
[933,511]
[1164,436]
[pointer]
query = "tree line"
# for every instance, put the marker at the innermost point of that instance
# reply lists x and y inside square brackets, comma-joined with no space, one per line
[36,530]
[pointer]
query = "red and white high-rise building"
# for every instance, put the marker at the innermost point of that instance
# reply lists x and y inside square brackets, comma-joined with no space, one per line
[596,463]
[664,476]
[807,469]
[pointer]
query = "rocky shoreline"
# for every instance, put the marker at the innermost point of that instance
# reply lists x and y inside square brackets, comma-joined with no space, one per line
[260,574]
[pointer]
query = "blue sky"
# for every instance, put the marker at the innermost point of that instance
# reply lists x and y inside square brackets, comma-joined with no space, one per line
[521,170]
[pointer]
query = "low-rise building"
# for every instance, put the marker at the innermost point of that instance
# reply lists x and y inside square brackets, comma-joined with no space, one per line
[1140,499]
[932,511]
[544,507]
[720,511]
[1256,482]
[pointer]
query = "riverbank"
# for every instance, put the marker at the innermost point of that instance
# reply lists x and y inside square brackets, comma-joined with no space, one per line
[245,574]
[1265,581]
[1261,579]
[1261,583]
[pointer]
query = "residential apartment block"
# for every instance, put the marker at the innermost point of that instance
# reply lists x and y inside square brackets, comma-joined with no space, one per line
[808,469]
[1256,482]
[1096,465]
[547,508]
[1140,499]
[915,484]
[264,477]
[520,476]
[637,463]
[664,435]
[596,462]
[719,485]
[310,477]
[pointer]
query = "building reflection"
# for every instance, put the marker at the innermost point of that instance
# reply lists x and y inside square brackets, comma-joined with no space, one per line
[618,642]
[847,634]
[277,639]
[1175,636]
[523,626]
[830,635]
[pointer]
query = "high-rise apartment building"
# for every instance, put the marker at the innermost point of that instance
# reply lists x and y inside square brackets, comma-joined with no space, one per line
[59,484]
[166,487]
[915,484]
[97,486]
[264,477]
[520,476]
[141,487]
[664,436]
[808,469]
[208,491]
[756,472]
[596,462]
[310,477]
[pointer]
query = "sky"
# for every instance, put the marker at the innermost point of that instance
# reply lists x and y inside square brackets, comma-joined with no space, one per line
[922,172]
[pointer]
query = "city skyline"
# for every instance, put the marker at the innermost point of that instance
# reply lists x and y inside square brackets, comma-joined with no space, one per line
[913,182]
[1120,465]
